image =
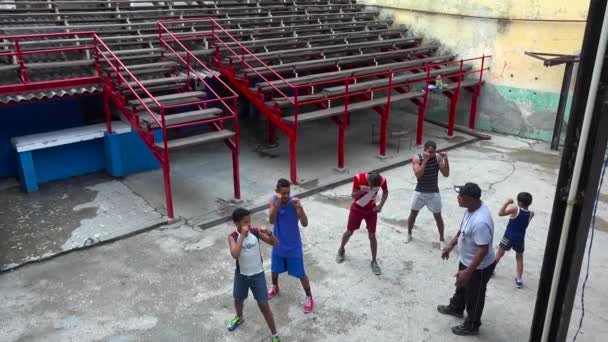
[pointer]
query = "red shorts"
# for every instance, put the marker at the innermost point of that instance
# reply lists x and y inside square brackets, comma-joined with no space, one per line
[358,214]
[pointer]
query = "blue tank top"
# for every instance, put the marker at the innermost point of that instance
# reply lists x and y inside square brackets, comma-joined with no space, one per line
[287,231]
[516,229]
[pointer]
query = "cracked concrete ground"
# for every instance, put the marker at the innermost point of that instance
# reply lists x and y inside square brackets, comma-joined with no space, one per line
[65,215]
[85,210]
[174,284]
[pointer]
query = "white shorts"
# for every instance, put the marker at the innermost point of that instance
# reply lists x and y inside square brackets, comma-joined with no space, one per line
[431,200]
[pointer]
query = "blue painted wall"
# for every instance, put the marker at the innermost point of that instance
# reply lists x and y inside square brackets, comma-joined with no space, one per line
[136,157]
[120,155]
[69,160]
[36,117]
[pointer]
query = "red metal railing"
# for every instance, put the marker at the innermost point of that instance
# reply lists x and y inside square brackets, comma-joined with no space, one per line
[475,89]
[239,68]
[119,82]
[113,82]
[229,102]
[17,53]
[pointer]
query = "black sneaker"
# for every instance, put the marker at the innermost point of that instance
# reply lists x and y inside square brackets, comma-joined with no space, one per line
[465,330]
[447,310]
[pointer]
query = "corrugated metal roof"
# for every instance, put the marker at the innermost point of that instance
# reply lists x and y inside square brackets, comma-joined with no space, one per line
[49,94]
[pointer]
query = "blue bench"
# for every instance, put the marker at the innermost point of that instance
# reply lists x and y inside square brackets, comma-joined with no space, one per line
[65,153]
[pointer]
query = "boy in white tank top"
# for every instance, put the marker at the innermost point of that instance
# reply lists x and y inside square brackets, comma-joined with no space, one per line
[245,247]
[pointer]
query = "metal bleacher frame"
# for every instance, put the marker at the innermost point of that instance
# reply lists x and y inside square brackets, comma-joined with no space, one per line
[162,66]
[267,87]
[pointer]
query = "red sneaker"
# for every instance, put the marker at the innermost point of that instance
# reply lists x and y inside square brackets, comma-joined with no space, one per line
[274,290]
[309,304]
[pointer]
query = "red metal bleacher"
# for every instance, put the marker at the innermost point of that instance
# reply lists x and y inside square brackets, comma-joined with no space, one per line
[182,107]
[235,61]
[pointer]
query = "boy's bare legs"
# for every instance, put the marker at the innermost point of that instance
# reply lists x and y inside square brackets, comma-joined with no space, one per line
[275,279]
[373,244]
[410,223]
[519,257]
[345,237]
[306,285]
[440,225]
[499,254]
[238,306]
[265,309]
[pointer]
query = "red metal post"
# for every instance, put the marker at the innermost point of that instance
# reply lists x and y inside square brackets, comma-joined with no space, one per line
[106,108]
[475,97]
[167,180]
[383,129]
[422,108]
[21,63]
[293,173]
[473,112]
[385,115]
[97,52]
[452,115]
[292,160]
[272,136]
[235,174]
[166,166]
[342,127]
[341,133]
[454,102]
[235,154]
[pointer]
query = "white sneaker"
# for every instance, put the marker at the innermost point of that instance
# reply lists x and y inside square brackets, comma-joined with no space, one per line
[441,245]
[408,238]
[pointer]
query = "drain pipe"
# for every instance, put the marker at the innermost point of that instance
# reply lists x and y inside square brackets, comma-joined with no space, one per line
[593,88]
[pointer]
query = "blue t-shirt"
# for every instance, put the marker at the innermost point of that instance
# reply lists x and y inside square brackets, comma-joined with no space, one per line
[516,228]
[287,231]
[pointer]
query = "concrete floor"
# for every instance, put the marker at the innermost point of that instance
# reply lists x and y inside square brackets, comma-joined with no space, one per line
[174,283]
[202,176]
[84,210]
[68,214]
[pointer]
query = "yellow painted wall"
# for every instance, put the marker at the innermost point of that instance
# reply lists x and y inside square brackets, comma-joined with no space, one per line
[506,40]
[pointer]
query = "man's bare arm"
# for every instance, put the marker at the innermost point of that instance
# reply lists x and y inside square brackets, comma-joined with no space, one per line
[267,236]
[506,209]
[444,164]
[236,246]
[301,213]
[384,198]
[273,210]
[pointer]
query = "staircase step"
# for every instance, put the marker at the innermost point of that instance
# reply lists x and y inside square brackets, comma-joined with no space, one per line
[176,119]
[171,99]
[140,72]
[153,89]
[157,65]
[198,139]
[159,81]
[134,51]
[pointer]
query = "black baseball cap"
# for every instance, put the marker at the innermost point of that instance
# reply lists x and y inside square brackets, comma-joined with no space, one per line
[469,189]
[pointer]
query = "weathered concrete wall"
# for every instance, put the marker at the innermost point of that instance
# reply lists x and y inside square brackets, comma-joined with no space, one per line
[521,95]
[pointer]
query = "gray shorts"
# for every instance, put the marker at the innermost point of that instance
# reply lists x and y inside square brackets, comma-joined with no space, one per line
[431,200]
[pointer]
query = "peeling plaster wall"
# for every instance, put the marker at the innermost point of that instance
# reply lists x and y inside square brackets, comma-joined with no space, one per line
[521,95]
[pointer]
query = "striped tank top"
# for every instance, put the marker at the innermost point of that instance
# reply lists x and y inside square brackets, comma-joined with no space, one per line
[428,182]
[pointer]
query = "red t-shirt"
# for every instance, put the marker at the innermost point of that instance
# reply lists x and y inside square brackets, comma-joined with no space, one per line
[367,199]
